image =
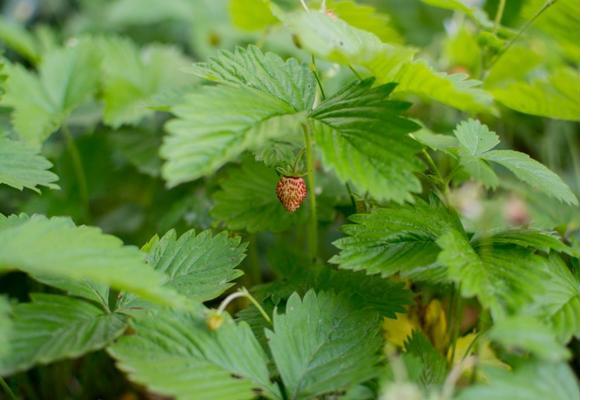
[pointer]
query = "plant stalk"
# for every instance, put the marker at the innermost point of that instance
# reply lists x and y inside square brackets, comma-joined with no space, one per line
[312,233]
[7,389]
[499,14]
[78,167]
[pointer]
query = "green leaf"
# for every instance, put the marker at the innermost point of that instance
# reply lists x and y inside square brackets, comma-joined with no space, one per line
[322,344]
[532,238]
[201,266]
[364,139]
[16,37]
[395,240]
[247,201]
[337,41]
[251,15]
[475,139]
[175,355]
[556,96]
[132,77]
[533,173]
[22,167]
[532,381]
[56,247]
[435,141]
[53,327]
[67,78]
[433,365]
[367,18]
[504,279]
[218,123]
[529,334]
[139,147]
[5,326]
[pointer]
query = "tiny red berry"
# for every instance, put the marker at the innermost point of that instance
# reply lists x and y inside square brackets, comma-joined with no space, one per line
[291,192]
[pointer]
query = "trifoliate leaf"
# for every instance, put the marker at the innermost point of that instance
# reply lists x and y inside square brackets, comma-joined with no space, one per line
[200,266]
[67,78]
[322,344]
[364,140]
[396,240]
[532,173]
[132,77]
[53,327]
[56,247]
[505,279]
[217,123]
[247,201]
[529,334]
[175,355]
[23,167]
[532,381]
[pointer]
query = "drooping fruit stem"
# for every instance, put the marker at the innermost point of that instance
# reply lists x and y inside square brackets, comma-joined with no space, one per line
[312,233]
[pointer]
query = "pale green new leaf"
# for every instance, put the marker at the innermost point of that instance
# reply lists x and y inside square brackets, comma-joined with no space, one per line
[533,173]
[176,356]
[247,201]
[475,139]
[533,381]
[367,18]
[200,266]
[58,248]
[54,327]
[322,344]
[67,78]
[529,334]
[556,96]
[133,76]
[337,41]
[363,138]
[395,240]
[23,167]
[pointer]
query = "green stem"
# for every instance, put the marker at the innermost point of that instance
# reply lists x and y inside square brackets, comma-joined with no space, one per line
[455,321]
[78,167]
[499,14]
[312,233]
[445,189]
[7,389]
[546,5]
[315,72]
[355,72]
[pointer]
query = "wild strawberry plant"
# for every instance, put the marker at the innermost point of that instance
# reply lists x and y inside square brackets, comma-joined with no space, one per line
[337,200]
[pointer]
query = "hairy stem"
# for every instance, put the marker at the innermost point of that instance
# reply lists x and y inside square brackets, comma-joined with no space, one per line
[546,5]
[78,167]
[312,233]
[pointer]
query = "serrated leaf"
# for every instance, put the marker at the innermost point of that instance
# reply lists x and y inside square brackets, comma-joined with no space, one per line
[23,167]
[504,279]
[433,365]
[56,247]
[364,140]
[395,240]
[337,41]
[529,334]
[533,173]
[556,96]
[67,78]
[532,381]
[533,238]
[217,123]
[321,344]
[475,137]
[199,266]
[132,77]
[247,201]
[177,356]
[53,327]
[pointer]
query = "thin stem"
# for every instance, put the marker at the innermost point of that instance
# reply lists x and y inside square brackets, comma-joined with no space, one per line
[315,72]
[351,196]
[304,6]
[78,167]
[355,72]
[312,226]
[499,14]
[243,292]
[7,389]
[454,375]
[444,188]
[455,322]
[546,5]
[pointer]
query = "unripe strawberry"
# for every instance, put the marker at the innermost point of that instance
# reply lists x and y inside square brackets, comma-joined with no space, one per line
[291,192]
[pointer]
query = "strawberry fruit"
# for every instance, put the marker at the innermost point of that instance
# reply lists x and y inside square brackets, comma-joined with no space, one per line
[291,192]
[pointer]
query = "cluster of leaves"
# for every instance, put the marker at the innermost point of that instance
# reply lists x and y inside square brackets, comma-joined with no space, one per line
[378,308]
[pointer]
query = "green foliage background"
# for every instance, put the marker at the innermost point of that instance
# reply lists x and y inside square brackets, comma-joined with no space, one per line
[143,252]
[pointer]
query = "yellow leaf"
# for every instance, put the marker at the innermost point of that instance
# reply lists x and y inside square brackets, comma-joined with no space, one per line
[397,330]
